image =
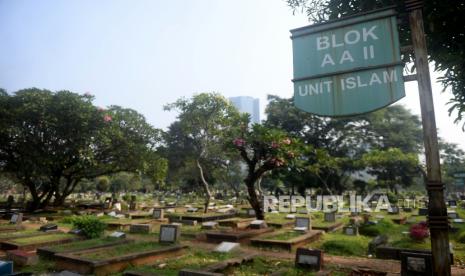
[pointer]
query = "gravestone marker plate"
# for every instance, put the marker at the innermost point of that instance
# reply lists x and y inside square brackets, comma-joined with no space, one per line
[290,216]
[330,217]
[226,247]
[169,233]
[308,258]
[140,228]
[423,212]
[210,225]
[302,222]
[48,227]
[158,214]
[351,231]
[258,224]
[16,219]
[416,263]
[119,235]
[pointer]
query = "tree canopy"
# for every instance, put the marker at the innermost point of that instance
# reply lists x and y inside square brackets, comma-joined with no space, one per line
[444,30]
[50,141]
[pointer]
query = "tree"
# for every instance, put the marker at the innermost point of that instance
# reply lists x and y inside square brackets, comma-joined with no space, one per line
[263,149]
[453,161]
[50,141]
[202,124]
[392,166]
[445,35]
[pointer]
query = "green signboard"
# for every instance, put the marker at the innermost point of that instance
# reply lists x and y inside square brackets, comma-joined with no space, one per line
[348,66]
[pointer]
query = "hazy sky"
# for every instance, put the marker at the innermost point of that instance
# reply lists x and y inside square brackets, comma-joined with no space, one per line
[144,54]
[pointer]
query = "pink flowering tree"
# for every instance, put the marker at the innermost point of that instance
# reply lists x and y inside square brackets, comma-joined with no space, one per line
[264,149]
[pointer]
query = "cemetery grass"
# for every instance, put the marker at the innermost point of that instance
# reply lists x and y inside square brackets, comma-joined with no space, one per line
[42,238]
[18,233]
[82,244]
[283,236]
[122,250]
[193,259]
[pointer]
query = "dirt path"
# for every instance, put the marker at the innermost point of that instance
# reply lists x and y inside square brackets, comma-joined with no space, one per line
[392,267]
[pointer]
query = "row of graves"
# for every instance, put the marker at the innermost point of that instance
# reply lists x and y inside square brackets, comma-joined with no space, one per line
[163,240]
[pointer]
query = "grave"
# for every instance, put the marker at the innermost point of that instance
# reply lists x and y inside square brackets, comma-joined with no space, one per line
[290,216]
[16,219]
[302,224]
[285,239]
[158,213]
[235,222]
[75,231]
[226,247]
[169,233]
[351,230]
[309,258]
[423,212]
[117,234]
[258,224]
[250,212]
[140,228]
[452,203]
[34,242]
[416,264]
[210,225]
[22,258]
[453,215]
[394,210]
[408,209]
[49,227]
[377,241]
[330,217]
[108,260]
[192,210]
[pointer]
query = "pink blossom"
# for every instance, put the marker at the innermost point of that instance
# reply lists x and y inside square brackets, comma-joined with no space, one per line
[100,108]
[419,231]
[238,142]
[107,118]
[274,145]
[287,141]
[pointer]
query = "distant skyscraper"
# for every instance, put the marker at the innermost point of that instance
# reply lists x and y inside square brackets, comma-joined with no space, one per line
[249,105]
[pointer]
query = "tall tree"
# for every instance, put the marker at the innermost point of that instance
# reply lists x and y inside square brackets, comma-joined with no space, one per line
[445,35]
[203,123]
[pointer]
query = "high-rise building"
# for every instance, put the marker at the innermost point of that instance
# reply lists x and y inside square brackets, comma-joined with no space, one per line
[249,105]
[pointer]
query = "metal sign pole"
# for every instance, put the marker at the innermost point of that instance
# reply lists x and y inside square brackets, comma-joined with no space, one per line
[437,210]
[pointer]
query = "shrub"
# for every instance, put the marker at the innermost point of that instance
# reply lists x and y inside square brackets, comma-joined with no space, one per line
[90,226]
[373,230]
[419,231]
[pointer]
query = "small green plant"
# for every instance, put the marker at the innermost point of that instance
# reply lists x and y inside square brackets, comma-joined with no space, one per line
[90,226]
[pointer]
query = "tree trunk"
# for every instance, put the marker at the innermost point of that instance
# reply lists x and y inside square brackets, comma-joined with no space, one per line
[205,186]
[254,198]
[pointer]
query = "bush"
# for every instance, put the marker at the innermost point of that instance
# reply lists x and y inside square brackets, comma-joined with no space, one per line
[90,226]
[374,230]
[419,231]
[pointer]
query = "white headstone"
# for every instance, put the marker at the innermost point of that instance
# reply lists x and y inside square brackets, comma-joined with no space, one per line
[225,247]
[209,225]
[118,234]
[290,216]
[117,206]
